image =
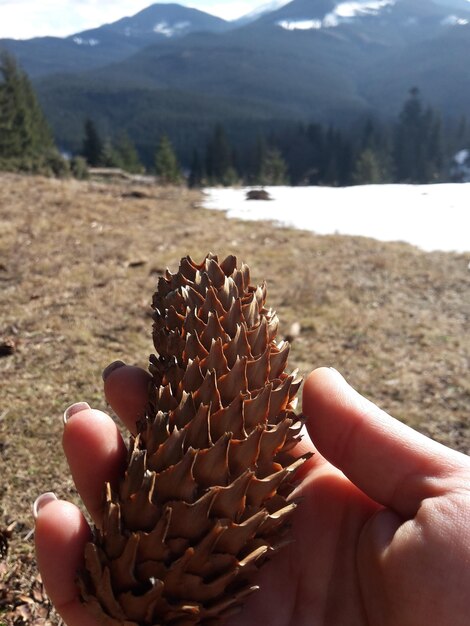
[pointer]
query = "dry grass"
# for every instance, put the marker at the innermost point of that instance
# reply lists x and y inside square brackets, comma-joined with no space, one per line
[79,262]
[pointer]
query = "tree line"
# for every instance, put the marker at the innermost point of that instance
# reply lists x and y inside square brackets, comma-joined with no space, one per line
[415,148]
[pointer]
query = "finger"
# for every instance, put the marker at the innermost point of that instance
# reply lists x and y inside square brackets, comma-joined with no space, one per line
[390,462]
[95,452]
[126,390]
[60,536]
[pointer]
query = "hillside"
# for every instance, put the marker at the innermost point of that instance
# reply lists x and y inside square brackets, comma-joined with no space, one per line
[81,261]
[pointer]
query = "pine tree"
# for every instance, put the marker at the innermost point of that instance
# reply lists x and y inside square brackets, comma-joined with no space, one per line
[367,170]
[418,152]
[273,168]
[25,138]
[92,147]
[219,159]
[126,155]
[197,174]
[374,161]
[166,163]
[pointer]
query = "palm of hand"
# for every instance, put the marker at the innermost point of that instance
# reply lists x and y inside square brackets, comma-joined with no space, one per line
[356,563]
[314,580]
[353,562]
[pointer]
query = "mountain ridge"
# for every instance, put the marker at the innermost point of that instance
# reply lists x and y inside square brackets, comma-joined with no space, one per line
[294,61]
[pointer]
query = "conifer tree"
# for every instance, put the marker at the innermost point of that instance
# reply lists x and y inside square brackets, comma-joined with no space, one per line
[126,155]
[93,147]
[418,148]
[273,168]
[197,174]
[25,138]
[367,169]
[166,163]
[219,159]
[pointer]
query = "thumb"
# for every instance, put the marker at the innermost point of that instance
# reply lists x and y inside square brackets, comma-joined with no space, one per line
[390,462]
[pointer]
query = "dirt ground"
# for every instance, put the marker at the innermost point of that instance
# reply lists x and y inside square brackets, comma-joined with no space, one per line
[78,264]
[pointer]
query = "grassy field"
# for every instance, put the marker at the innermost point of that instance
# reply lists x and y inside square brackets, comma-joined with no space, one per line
[78,264]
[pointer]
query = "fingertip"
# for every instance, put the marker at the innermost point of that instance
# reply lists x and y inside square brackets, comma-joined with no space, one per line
[96,454]
[61,533]
[111,368]
[126,390]
[320,385]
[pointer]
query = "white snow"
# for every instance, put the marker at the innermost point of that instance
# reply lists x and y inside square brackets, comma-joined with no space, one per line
[453,20]
[343,12]
[300,24]
[85,42]
[432,217]
[353,9]
[266,8]
[462,156]
[169,30]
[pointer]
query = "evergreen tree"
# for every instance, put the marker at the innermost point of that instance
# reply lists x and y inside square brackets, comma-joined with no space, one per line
[418,153]
[316,136]
[219,159]
[109,156]
[255,163]
[166,163]
[93,147]
[25,138]
[273,168]
[367,170]
[374,161]
[197,174]
[126,155]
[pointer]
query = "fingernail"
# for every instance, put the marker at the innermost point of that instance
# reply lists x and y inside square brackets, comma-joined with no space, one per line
[75,408]
[111,367]
[40,502]
[335,371]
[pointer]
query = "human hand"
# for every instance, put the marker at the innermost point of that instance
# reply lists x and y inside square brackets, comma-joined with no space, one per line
[382,536]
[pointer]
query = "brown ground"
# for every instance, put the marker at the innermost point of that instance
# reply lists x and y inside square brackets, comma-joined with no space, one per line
[78,264]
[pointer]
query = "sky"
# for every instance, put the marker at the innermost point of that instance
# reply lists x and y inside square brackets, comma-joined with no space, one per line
[23,19]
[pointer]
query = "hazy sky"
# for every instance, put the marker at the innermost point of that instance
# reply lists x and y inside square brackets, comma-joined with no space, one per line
[22,19]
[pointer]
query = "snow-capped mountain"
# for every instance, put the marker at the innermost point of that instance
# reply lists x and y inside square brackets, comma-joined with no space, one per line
[159,20]
[111,43]
[264,9]
[386,21]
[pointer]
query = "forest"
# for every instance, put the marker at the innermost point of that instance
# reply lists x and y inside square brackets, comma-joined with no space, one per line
[416,147]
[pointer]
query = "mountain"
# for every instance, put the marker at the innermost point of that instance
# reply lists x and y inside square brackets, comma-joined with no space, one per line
[170,67]
[264,9]
[388,22]
[157,21]
[111,43]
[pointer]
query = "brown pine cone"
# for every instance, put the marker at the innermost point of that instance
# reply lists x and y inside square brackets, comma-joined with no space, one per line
[204,499]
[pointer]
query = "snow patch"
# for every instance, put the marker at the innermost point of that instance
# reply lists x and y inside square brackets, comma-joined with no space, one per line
[355,9]
[454,20]
[85,42]
[170,30]
[343,12]
[462,157]
[266,8]
[432,217]
[300,24]
[460,168]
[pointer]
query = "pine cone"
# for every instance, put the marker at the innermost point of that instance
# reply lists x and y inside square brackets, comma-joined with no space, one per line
[203,502]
